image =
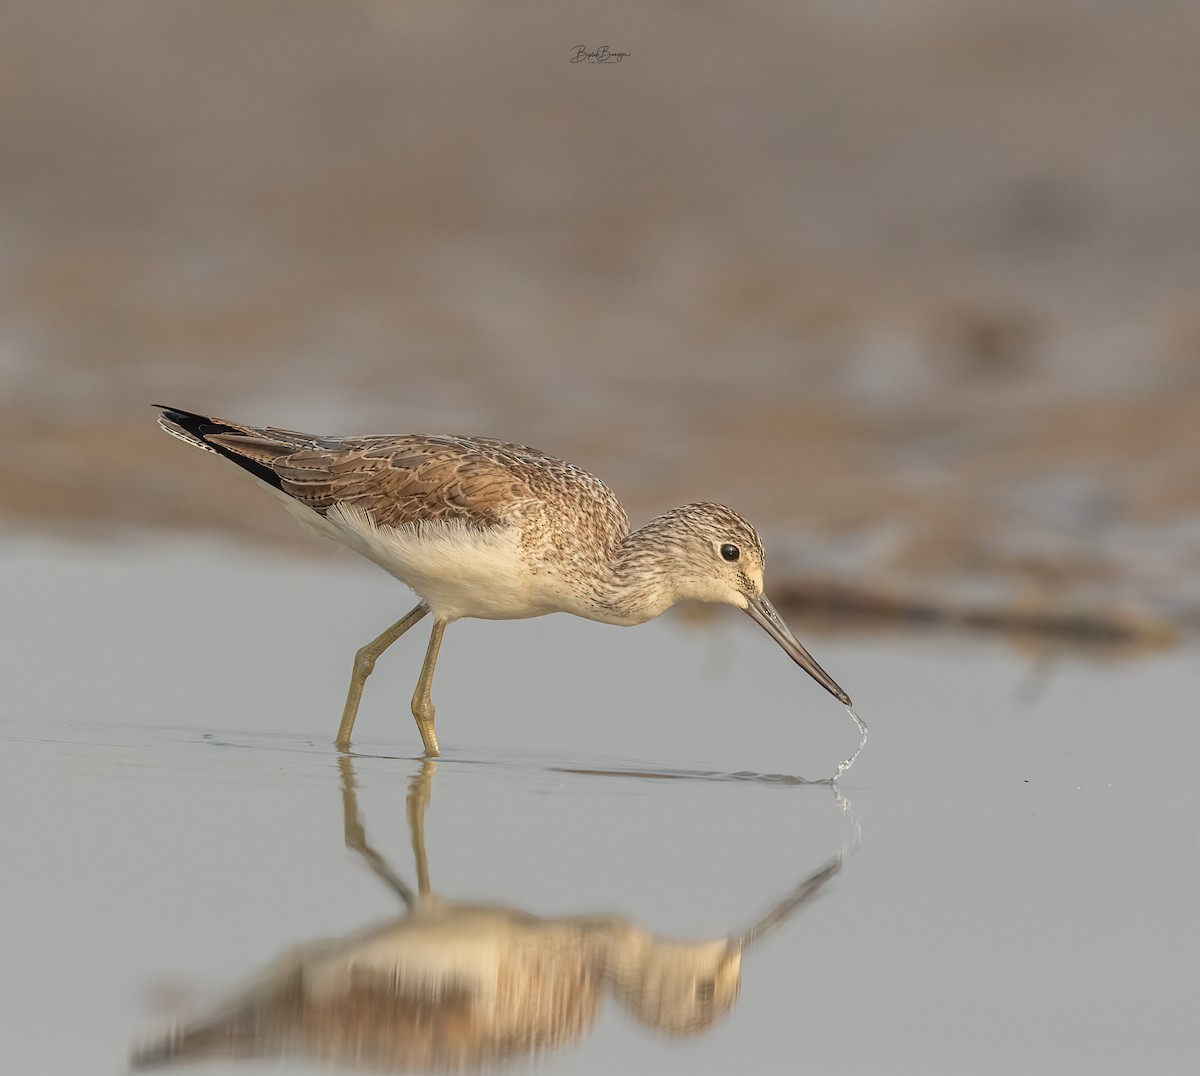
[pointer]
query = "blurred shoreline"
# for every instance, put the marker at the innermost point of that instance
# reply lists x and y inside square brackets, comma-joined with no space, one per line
[913,288]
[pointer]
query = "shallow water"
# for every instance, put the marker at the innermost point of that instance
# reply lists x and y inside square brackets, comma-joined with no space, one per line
[1022,898]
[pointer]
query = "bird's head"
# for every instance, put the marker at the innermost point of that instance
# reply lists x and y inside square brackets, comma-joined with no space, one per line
[718,557]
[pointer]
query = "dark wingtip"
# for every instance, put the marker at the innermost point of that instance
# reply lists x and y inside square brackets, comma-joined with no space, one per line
[199,428]
[177,414]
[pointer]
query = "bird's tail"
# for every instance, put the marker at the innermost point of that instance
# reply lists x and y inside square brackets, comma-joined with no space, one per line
[250,447]
[193,428]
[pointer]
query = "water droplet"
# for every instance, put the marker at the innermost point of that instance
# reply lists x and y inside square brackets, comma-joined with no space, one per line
[845,764]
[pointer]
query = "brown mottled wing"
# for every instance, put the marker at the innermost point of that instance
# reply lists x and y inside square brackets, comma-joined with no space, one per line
[397,480]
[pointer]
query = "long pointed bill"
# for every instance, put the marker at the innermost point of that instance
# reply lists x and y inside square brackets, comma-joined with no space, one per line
[763,613]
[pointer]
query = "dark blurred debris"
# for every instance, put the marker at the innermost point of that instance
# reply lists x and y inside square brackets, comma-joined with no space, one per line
[836,606]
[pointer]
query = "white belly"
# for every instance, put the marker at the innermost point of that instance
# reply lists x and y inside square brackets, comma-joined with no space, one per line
[460,571]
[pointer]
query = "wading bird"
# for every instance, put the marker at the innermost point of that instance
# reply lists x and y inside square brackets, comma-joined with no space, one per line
[484,528]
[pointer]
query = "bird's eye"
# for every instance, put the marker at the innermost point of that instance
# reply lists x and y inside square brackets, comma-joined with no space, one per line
[730,551]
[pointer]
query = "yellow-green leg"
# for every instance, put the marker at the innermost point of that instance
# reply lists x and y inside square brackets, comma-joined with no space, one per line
[422,705]
[364,662]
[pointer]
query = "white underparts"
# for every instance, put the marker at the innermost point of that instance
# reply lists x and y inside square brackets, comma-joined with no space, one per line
[461,571]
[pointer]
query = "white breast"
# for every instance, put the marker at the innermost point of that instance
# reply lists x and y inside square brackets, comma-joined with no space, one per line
[460,571]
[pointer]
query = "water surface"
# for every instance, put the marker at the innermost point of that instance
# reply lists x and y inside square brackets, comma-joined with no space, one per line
[1022,897]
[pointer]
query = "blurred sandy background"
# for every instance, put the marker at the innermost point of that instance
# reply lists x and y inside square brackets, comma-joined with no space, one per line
[915,285]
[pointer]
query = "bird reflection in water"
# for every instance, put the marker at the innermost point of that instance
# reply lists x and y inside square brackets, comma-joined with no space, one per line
[452,985]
